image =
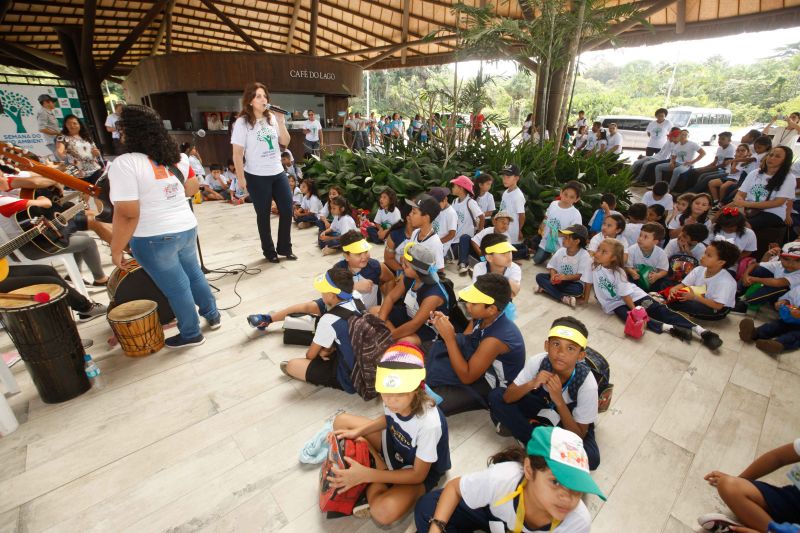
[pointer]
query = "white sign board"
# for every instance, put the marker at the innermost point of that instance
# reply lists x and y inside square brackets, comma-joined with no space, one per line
[19,106]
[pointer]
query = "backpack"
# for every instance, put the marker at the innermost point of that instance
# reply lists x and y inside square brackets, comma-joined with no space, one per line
[454,311]
[369,338]
[680,265]
[331,501]
[598,365]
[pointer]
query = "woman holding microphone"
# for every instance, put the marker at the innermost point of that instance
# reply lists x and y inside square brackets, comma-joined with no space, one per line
[256,139]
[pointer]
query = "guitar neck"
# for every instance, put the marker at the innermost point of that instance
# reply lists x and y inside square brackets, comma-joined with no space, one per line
[72,211]
[19,241]
[24,161]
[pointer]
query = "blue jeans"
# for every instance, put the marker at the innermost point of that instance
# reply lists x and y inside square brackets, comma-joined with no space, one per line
[463,249]
[372,235]
[565,288]
[541,255]
[171,260]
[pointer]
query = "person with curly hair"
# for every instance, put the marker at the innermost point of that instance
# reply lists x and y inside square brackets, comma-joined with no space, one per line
[149,188]
[257,137]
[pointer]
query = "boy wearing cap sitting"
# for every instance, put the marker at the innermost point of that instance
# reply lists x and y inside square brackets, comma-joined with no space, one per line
[555,388]
[463,368]
[497,254]
[330,357]
[537,488]
[513,203]
[424,210]
[446,222]
[502,220]
[371,278]
[773,279]
[566,266]
[410,442]
[408,306]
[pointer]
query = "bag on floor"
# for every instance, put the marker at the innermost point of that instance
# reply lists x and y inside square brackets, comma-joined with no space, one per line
[636,322]
[369,338]
[341,503]
[299,328]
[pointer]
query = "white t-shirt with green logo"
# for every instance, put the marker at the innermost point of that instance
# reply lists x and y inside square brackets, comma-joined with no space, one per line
[755,186]
[313,128]
[610,286]
[262,153]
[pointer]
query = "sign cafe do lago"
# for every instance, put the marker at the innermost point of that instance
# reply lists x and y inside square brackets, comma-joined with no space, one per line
[312,74]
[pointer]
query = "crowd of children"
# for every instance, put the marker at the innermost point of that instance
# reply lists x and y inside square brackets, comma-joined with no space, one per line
[677,260]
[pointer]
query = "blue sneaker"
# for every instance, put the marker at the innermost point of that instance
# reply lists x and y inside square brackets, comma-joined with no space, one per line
[176,341]
[260,322]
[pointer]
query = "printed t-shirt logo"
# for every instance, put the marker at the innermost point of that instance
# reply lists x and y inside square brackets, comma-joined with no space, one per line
[608,286]
[265,135]
[759,192]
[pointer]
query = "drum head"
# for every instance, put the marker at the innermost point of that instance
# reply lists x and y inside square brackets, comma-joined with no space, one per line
[132,310]
[52,290]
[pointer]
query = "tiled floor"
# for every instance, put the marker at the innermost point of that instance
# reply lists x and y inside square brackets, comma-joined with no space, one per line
[207,438]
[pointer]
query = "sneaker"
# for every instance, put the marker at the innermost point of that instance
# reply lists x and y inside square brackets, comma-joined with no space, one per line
[569,300]
[93,312]
[463,270]
[716,523]
[87,343]
[747,330]
[176,341]
[739,309]
[215,323]
[361,509]
[260,322]
[283,366]
[684,334]
[769,346]
[330,251]
[711,340]
[449,260]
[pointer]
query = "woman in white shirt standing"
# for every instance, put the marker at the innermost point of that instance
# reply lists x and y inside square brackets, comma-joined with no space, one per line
[149,187]
[257,138]
[765,192]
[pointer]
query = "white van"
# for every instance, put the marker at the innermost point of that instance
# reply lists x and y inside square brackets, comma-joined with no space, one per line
[633,129]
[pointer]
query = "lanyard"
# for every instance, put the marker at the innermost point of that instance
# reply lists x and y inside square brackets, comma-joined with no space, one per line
[519,522]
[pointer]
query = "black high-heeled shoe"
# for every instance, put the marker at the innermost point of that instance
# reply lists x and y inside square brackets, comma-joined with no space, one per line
[290,257]
[272,258]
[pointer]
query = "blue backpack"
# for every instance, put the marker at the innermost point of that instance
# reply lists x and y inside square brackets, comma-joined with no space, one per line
[598,365]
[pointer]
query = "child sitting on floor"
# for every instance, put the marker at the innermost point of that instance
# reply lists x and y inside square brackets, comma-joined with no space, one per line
[297,194]
[216,180]
[409,441]
[608,206]
[697,212]
[534,489]
[731,226]
[659,196]
[387,216]
[370,278]
[776,336]
[556,388]
[766,282]
[502,221]
[424,210]
[759,505]
[407,308]
[647,262]
[342,223]
[566,267]
[637,217]
[617,295]
[330,358]
[497,253]
[613,227]
[485,199]
[561,213]
[470,220]
[307,213]
[681,204]
[446,223]
[323,220]
[708,292]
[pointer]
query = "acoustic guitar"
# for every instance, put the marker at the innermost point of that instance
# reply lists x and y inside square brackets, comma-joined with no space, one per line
[55,235]
[27,160]
[38,226]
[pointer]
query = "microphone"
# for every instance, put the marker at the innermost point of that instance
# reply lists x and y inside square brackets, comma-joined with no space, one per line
[277,109]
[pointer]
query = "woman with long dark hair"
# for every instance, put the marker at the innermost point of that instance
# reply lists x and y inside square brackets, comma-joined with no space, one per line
[75,145]
[766,191]
[257,138]
[149,188]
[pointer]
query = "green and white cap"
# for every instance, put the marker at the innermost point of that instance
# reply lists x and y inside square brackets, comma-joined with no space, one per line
[563,451]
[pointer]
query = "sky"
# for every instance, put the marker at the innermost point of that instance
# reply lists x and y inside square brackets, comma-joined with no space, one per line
[745,48]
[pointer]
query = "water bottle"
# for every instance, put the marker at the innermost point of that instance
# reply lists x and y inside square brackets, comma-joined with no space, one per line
[93,372]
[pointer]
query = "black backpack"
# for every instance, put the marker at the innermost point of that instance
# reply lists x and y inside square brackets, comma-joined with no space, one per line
[456,314]
[369,338]
[600,369]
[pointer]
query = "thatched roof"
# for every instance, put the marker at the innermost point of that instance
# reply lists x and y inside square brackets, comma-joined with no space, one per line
[373,33]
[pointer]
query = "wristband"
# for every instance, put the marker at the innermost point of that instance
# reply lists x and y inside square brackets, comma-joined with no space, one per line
[436,522]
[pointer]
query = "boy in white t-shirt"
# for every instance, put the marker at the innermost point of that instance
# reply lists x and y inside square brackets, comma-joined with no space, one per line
[659,195]
[497,258]
[657,131]
[566,267]
[560,214]
[708,292]
[555,388]
[647,263]
[424,210]
[446,223]
[685,154]
[313,134]
[637,217]
[513,203]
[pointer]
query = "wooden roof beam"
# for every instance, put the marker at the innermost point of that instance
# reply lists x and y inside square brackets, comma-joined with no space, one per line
[404,35]
[626,25]
[292,26]
[37,59]
[132,37]
[680,21]
[4,6]
[394,47]
[162,28]
[87,33]
[232,25]
[312,39]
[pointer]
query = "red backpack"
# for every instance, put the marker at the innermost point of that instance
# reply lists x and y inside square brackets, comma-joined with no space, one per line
[330,501]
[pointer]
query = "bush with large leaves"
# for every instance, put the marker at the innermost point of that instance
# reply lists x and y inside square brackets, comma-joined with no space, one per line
[412,170]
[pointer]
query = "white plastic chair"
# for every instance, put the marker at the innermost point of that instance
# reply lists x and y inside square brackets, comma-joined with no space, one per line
[68,260]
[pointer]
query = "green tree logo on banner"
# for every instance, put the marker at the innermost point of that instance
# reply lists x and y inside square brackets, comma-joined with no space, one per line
[16,106]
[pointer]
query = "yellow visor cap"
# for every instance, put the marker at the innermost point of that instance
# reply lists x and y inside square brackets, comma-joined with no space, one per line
[474,296]
[323,285]
[571,334]
[357,247]
[500,248]
[398,380]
